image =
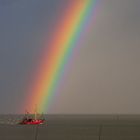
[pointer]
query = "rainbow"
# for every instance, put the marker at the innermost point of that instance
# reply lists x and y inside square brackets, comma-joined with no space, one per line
[56,54]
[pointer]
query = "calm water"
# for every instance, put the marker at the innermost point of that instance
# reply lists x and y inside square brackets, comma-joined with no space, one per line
[73,127]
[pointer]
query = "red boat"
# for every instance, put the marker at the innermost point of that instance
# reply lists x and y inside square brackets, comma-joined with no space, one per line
[32,121]
[28,119]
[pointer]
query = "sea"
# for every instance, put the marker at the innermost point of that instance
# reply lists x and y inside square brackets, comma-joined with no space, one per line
[72,127]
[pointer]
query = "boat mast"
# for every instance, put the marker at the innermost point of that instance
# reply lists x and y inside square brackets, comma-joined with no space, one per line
[35,112]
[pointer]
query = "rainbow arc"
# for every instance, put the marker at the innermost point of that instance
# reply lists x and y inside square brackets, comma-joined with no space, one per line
[56,54]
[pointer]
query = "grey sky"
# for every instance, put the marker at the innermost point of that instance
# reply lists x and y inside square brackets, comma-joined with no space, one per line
[104,73]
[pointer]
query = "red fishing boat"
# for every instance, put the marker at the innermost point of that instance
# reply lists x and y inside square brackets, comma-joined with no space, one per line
[32,119]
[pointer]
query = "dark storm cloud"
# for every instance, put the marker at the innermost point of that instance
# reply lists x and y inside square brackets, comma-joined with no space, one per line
[7,2]
[19,41]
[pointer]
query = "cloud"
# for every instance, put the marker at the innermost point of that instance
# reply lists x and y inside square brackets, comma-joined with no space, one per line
[7,2]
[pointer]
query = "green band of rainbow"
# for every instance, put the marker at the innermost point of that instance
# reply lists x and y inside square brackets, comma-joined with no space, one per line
[57,54]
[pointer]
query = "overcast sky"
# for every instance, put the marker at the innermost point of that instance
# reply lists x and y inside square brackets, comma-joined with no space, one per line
[104,74]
